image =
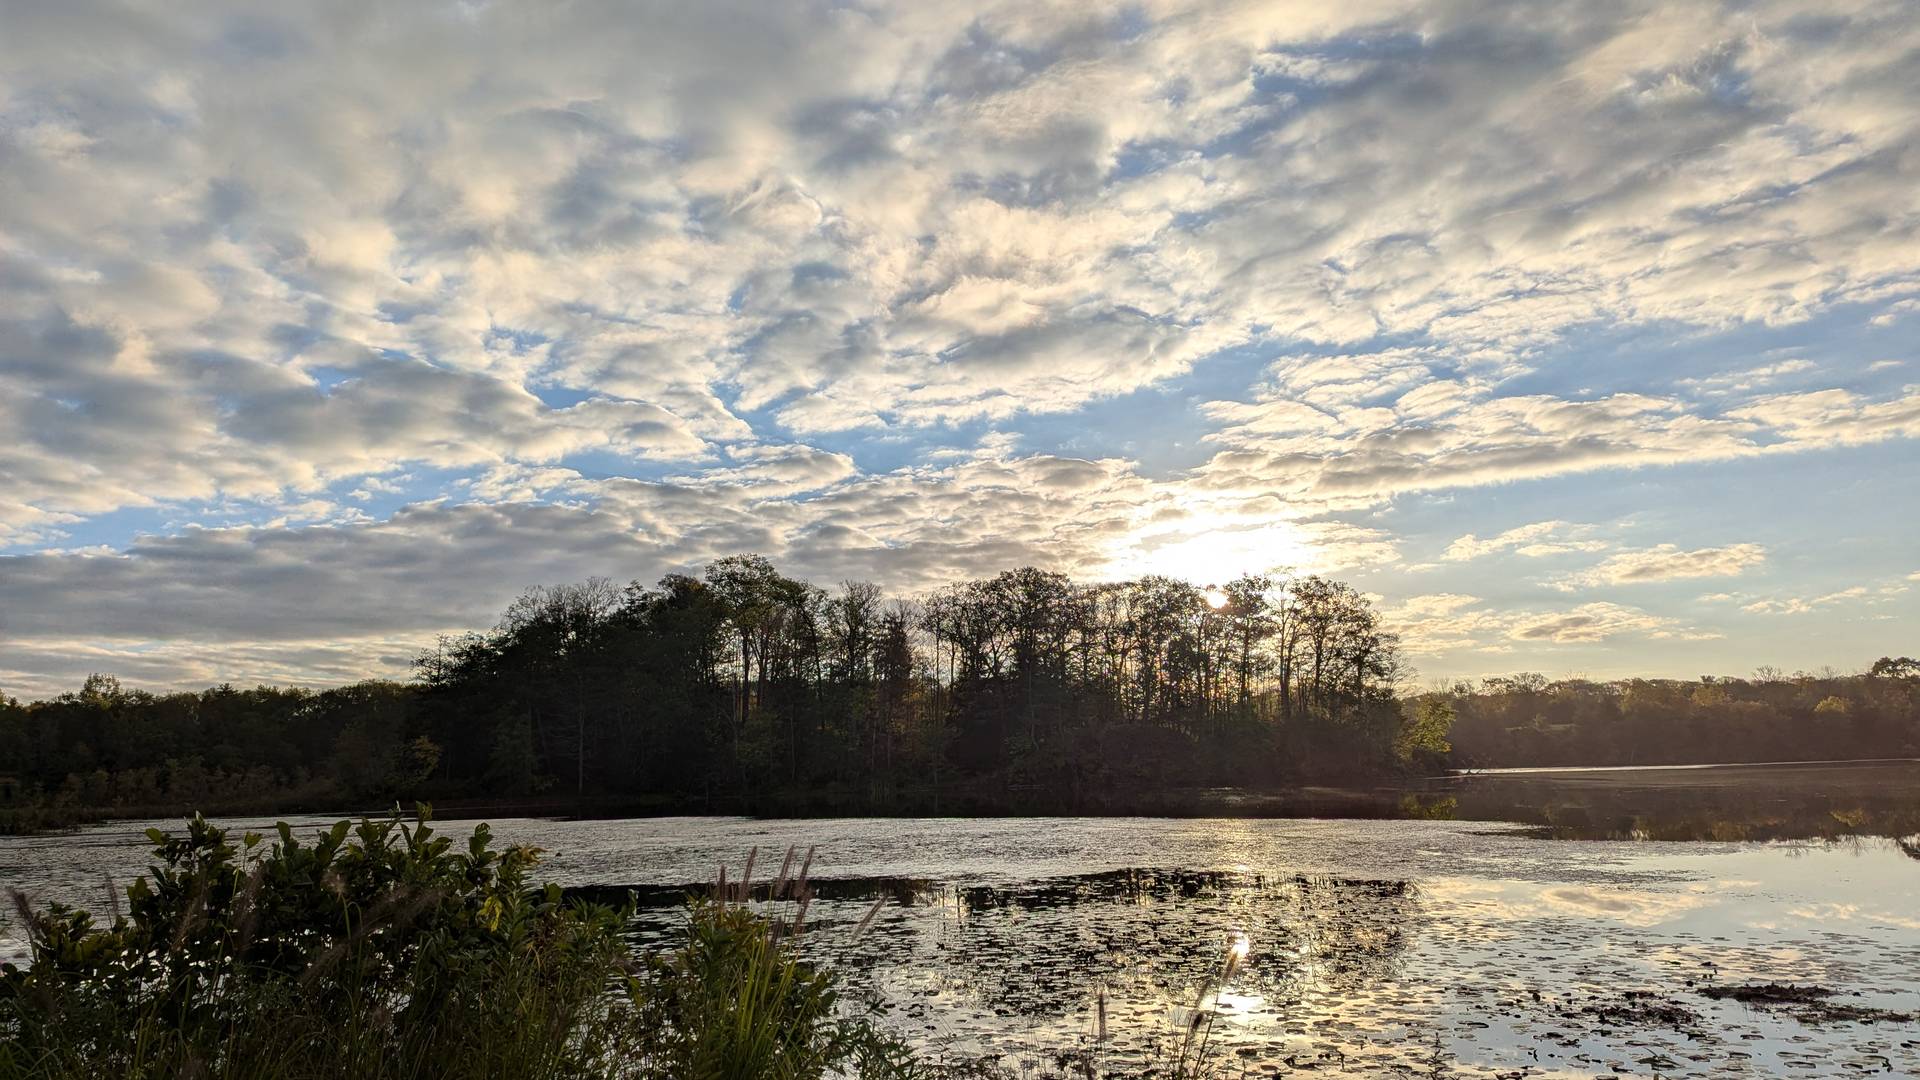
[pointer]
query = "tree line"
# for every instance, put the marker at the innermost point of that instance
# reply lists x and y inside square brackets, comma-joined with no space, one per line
[1527,719]
[743,688]
[746,688]
[1026,687]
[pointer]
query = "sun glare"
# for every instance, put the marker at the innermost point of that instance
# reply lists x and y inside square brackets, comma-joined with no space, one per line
[1216,599]
[1212,548]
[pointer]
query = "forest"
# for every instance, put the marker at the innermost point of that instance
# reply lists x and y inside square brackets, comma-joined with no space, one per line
[1526,719]
[743,689]
[746,688]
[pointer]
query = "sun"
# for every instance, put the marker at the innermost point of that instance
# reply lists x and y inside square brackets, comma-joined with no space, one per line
[1210,547]
[1216,599]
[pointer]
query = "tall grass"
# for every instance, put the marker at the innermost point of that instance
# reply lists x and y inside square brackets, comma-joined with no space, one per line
[734,1002]
[1192,1061]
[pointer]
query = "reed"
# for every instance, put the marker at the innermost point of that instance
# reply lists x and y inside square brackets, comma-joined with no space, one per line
[1206,1005]
[737,1001]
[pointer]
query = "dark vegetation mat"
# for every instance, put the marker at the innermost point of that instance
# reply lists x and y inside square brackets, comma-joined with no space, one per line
[1808,1004]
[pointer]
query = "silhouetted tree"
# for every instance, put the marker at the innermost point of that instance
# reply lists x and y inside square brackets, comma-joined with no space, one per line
[745,687]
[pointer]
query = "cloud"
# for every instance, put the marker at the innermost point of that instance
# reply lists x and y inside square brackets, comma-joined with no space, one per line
[694,278]
[440,567]
[1837,417]
[48,667]
[995,209]
[1364,455]
[1539,539]
[1802,605]
[1734,382]
[1441,623]
[21,524]
[1666,562]
[1874,594]
[1598,622]
[778,470]
[431,568]
[413,571]
[96,431]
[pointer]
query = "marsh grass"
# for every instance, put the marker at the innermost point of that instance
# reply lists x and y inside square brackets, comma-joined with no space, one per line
[736,1001]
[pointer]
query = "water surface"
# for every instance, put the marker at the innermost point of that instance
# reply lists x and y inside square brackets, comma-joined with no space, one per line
[1373,947]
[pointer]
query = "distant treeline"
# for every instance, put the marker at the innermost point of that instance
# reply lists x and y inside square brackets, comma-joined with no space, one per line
[1528,720]
[747,689]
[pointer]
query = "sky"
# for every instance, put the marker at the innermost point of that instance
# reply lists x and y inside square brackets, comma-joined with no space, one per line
[1584,336]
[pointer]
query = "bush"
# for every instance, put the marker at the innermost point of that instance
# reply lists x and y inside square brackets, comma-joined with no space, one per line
[381,950]
[377,950]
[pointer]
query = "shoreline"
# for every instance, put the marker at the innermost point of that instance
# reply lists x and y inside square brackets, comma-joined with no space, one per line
[1752,800]
[1544,770]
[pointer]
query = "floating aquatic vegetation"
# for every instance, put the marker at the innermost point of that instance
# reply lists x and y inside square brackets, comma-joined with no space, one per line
[1809,1004]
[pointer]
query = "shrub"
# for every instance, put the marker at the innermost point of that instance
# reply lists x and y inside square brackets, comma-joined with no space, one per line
[381,950]
[377,950]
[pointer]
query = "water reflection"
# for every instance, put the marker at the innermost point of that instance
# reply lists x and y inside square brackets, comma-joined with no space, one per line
[1723,804]
[1463,974]
[1734,803]
[1366,977]
[976,969]
[1379,947]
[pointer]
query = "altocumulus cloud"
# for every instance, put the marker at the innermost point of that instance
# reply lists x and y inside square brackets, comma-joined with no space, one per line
[1667,563]
[487,294]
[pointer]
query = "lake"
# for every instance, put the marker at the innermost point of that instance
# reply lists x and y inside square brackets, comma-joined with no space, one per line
[1424,945]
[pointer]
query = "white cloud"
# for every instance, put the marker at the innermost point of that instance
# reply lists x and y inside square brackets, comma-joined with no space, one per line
[1366,455]
[1734,382]
[1802,605]
[1667,562]
[1598,622]
[1537,540]
[1873,594]
[900,215]
[271,261]
[778,470]
[1441,623]
[1837,417]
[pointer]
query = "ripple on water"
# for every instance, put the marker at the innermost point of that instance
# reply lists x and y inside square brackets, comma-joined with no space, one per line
[1373,947]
